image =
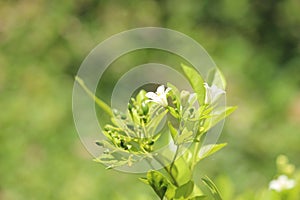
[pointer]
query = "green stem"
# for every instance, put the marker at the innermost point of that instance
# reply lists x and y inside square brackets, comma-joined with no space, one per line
[195,154]
[197,146]
[174,158]
[98,101]
[283,196]
[169,172]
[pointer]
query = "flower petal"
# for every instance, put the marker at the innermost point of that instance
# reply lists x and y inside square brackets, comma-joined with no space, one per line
[151,95]
[168,90]
[160,90]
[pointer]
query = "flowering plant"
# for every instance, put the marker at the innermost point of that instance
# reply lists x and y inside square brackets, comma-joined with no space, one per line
[139,134]
[284,186]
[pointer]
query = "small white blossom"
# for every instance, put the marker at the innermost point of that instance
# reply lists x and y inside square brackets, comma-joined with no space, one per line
[172,146]
[282,183]
[160,96]
[212,93]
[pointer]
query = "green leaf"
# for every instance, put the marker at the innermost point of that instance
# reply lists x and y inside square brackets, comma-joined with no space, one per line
[198,197]
[173,131]
[181,169]
[212,187]
[173,112]
[185,136]
[196,194]
[224,114]
[113,160]
[171,191]
[106,144]
[144,180]
[160,184]
[174,90]
[196,82]
[155,121]
[188,157]
[184,190]
[140,97]
[216,77]
[118,122]
[135,116]
[218,116]
[208,150]
[98,101]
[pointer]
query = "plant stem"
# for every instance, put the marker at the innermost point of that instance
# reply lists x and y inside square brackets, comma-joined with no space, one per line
[169,172]
[197,146]
[195,154]
[283,196]
[98,101]
[174,159]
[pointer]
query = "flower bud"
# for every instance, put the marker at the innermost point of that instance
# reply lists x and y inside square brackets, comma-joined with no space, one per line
[129,107]
[116,112]
[184,96]
[145,108]
[123,116]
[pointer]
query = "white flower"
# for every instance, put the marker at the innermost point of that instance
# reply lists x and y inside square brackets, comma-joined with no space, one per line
[160,96]
[212,93]
[172,146]
[282,183]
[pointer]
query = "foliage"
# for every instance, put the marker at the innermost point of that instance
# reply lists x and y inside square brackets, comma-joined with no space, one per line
[132,136]
[44,42]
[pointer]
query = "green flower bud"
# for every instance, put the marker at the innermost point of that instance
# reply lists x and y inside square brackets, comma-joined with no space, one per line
[148,148]
[106,128]
[130,107]
[116,112]
[151,142]
[99,143]
[145,108]
[122,143]
[123,116]
[184,96]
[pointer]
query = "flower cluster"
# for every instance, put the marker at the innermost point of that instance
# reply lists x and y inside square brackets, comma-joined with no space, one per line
[135,135]
[160,96]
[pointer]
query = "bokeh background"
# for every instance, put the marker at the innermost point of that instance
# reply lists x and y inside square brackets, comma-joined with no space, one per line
[42,44]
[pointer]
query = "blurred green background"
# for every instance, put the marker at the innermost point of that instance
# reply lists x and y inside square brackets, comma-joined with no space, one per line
[42,44]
